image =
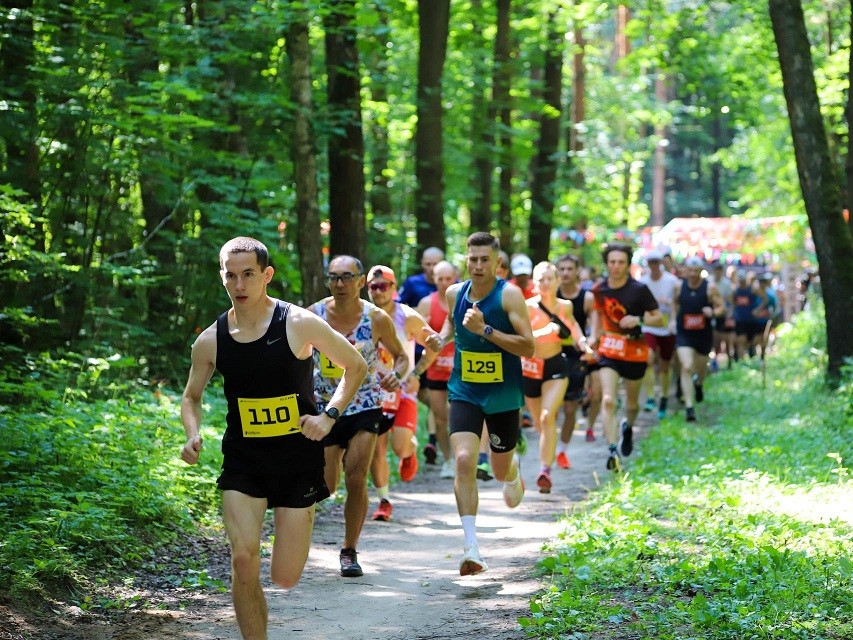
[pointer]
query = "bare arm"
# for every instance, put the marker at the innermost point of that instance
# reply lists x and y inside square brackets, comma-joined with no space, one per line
[520,343]
[718,304]
[203,361]
[448,330]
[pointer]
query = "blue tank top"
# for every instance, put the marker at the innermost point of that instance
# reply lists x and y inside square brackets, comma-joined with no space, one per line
[493,397]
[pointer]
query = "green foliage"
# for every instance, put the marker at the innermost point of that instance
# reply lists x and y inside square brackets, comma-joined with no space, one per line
[736,530]
[94,485]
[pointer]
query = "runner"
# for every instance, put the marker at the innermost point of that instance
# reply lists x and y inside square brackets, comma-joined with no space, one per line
[661,340]
[622,304]
[521,268]
[433,309]
[491,328]
[546,373]
[272,450]
[580,369]
[698,302]
[353,438]
[724,324]
[400,407]
[746,329]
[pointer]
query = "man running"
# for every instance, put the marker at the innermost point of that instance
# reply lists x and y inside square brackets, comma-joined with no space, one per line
[353,438]
[583,306]
[623,304]
[724,324]
[489,323]
[400,407]
[272,448]
[661,340]
[433,309]
[698,301]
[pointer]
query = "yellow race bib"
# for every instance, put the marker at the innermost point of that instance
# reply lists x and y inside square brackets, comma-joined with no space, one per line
[329,369]
[482,367]
[268,417]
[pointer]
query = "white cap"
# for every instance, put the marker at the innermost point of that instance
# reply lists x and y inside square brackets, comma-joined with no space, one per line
[521,265]
[654,254]
[694,261]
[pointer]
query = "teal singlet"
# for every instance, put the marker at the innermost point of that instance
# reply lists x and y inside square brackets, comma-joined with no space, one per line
[492,397]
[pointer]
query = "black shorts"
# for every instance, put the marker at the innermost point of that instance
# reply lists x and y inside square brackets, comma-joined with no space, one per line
[385,423]
[554,368]
[578,370]
[701,344]
[748,329]
[347,426]
[626,370]
[294,491]
[503,427]
[435,385]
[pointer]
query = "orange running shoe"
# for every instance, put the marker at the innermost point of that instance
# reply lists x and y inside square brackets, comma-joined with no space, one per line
[544,481]
[563,461]
[408,467]
[383,511]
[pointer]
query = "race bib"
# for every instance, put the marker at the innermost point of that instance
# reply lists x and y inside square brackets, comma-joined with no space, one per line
[482,367]
[620,347]
[268,417]
[533,368]
[443,364]
[329,369]
[742,301]
[391,401]
[694,321]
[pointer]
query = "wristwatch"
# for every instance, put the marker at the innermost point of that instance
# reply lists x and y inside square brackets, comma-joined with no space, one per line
[333,413]
[487,330]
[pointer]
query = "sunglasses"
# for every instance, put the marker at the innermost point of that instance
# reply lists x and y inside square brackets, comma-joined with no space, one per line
[379,286]
[345,277]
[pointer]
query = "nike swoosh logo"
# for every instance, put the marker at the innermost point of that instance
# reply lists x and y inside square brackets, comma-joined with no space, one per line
[273,341]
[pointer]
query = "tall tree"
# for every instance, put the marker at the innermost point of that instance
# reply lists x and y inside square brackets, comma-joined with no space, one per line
[545,164]
[820,187]
[482,136]
[346,142]
[501,95]
[304,154]
[434,16]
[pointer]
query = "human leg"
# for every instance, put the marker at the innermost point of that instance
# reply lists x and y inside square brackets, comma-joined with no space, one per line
[244,516]
[357,460]
[438,411]
[333,465]
[553,392]
[609,379]
[686,356]
[293,529]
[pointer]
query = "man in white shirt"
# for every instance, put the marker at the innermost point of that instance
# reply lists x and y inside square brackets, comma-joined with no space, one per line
[661,340]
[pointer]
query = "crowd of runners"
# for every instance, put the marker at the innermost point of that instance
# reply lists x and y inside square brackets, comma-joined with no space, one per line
[322,392]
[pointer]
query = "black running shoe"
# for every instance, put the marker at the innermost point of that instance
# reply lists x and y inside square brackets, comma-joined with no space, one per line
[697,388]
[349,564]
[613,462]
[691,414]
[627,444]
[430,454]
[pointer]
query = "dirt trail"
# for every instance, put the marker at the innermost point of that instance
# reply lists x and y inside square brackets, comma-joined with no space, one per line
[411,588]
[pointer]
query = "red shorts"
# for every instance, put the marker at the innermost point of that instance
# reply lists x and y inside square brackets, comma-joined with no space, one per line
[664,345]
[405,416]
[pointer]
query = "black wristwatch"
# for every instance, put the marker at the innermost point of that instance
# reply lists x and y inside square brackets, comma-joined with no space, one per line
[333,413]
[487,330]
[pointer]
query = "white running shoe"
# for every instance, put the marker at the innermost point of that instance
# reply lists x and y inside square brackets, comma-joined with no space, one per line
[448,469]
[472,563]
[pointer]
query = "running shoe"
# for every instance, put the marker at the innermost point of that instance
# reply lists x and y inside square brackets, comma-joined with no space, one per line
[614,462]
[626,446]
[349,564]
[650,405]
[408,467]
[472,562]
[526,420]
[484,471]
[430,454]
[544,481]
[563,461]
[697,388]
[662,409]
[521,444]
[691,414]
[590,435]
[383,511]
[513,493]
[715,367]
[448,469]
[585,407]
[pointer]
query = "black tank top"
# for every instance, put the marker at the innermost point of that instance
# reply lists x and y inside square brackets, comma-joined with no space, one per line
[265,369]
[690,304]
[580,315]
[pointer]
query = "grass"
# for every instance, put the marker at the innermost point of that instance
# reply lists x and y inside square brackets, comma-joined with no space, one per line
[738,528]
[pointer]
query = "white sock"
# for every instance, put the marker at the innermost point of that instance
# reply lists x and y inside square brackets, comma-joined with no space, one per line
[469,527]
[383,492]
[514,482]
[562,447]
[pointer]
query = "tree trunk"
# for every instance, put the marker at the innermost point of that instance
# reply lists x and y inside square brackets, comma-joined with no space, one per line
[821,191]
[659,169]
[434,19]
[848,117]
[380,192]
[346,149]
[545,172]
[501,98]
[304,154]
[482,137]
[578,100]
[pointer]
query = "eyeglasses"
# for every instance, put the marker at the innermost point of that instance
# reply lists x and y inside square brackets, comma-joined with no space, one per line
[345,277]
[379,286]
